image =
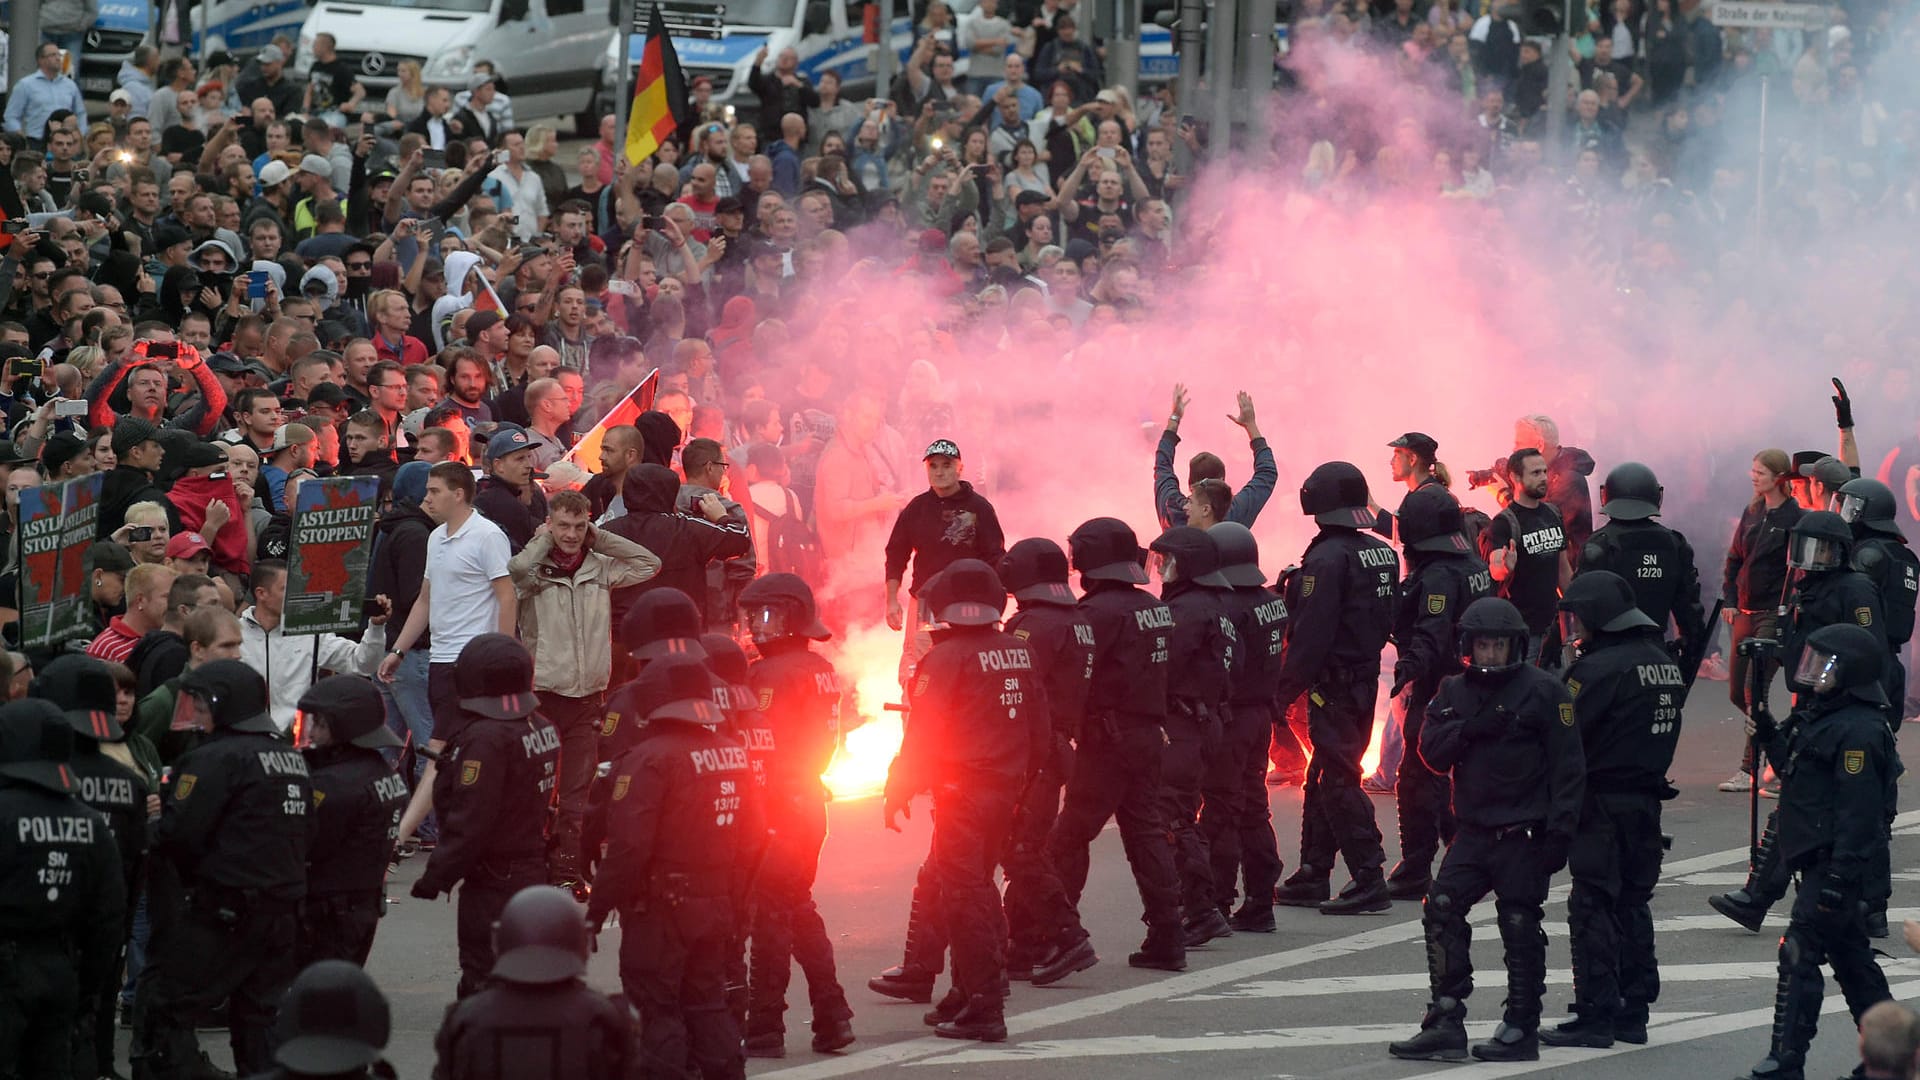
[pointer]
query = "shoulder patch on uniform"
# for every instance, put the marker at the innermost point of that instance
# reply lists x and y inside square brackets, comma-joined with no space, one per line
[183,786]
[1853,761]
[1863,616]
[620,787]
[1566,714]
[609,724]
[470,773]
[1023,634]
[1306,585]
[1573,687]
[318,798]
[1436,603]
[920,685]
[766,698]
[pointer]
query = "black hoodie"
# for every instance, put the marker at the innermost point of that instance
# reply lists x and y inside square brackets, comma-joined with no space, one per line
[399,564]
[685,544]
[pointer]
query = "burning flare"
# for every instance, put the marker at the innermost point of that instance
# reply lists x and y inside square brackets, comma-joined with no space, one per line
[868,662]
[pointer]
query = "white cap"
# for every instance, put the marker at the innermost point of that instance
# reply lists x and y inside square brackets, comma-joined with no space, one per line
[272,55]
[274,172]
[120,97]
[317,166]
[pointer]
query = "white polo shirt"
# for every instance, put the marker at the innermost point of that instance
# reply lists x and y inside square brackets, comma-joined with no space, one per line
[461,570]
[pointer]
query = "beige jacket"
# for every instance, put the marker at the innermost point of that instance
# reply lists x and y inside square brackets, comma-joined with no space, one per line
[568,622]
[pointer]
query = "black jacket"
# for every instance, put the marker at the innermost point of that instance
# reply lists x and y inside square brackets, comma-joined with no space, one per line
[935,533]
[1132,635]
[1260,618]
[1823,599]
[1627,697]
[1061,640]
[399,564]
[501,505]
[1206,651]
[238,816]
[122,487]
[684,543]
[358,802]
[1437,589]
[799,696]
[1756,567]
[118,793]
[1510,742]
[86,916]
[1342,600]
[1838,771]
[491,791]
[159,656]
[578,1032]
[979,716]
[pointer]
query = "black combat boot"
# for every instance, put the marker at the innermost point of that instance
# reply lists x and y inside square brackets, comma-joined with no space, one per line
[1204,927]
[1362,896]
[1739,906]
[831,1035]
[1594,1032]
[983,1020]
[1509,1043]
[949,1007]
[1162,950]
[1409,881]
[1062,961]
[1630,1026]
[904,982]
[1443,1034]
[1306,887]
[1252,918]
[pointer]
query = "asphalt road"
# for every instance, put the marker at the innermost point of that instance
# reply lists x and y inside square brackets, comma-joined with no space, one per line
[1319,998]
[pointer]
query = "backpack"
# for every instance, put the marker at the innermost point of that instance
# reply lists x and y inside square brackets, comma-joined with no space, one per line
[1473,525]
[793,547]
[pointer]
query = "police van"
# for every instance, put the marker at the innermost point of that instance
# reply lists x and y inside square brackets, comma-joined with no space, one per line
[550,52]
[243,27]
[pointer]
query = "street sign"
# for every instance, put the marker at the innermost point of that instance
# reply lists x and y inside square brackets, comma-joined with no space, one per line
[1760,15]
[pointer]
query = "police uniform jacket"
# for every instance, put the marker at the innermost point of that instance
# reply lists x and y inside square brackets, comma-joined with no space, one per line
[1260,621]
[1512,747]
[1342,599]
[238,816]
[117,792]
[565,1029]
[1437,589]
[358,800]
[1657,563]
[681,804]
[1206,649]
[1061,642]
[1627,696]
[491,792]
[1132,639]
[1893,568]
[1823,599]
[799,698]
[979,716]
[1838,767]
[60,879]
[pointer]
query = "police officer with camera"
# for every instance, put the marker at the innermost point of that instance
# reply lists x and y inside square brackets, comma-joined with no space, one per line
[1655,560]
[237,822]
[1443,578]
[681,805]
[1838,769]
[492,790]
[1627,698]
[1244,843]
[1505,731]
[979,731]
[358,800]
[1342,600]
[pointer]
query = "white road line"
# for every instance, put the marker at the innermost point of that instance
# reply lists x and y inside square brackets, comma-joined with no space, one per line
[1734,879]
[1415,982]
[1191,982]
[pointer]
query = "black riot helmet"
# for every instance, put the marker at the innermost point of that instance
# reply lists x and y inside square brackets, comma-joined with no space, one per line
[1630,493]
[494,678]
[728,662]
[1336,494]
[1106,549]
[36,743]
[223,694]
[1599,601]
[1239,554]
[84,689]
[1184,553]
[333,1020]
[354,711]
[1430,520]
[541,937]
[1492,617]
[1842,658]
[1867,503]
[966,593]
[662,622]
[1035,571]
[1821,541]
[780,606]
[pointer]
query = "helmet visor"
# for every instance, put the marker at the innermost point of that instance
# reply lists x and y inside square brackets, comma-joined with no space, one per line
[1571,628]
[1494,652]
[1851,508]
[767,622]
[1813,553]
[1819,670]
[302,730]
[1163,566]
[191,711]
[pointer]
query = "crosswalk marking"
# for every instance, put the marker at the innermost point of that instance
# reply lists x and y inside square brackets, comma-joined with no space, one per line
[1415,982]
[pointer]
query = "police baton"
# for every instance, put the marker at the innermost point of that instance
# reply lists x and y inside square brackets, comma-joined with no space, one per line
[1759,654]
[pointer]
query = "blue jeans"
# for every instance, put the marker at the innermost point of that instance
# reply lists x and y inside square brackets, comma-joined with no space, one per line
[136,950]
[410,718]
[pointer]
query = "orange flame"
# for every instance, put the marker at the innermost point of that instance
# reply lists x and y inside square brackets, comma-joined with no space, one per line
[1382,715]
[868,660]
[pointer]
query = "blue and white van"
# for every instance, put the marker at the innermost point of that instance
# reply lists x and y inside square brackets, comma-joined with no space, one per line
[244,27]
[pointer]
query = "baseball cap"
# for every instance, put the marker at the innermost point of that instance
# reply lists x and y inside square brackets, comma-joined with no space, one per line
[315,165]
[1422,445]
[198,455]
[166,236]
[272,55]
[478,79]
[186,545]
[507,442]
[131,431]
[274,173]
[945,447]
[218,58]
[933,241]
[1827,469]
[120,97]
[107,556]
[11,455]
[1107,97]
[730,205]
[60,449]
[226,363]
[326,393]
[1029,198]
[482,323]
[291,435]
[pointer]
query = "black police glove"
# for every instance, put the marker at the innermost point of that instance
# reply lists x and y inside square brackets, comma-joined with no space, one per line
[1402,678]
[1835,898]
[424,890]
[895,805]
[1486,724]
[1063,754]
[1842,406]
[1553,848]
[1761,725]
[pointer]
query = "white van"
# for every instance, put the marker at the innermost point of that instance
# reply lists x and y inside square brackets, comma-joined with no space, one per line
[550,52]
[243,27]
[721,40]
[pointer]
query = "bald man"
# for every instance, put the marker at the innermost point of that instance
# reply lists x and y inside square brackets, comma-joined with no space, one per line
[1889,1042]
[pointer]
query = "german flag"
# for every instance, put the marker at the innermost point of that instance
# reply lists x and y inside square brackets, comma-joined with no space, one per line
[659,93]
[586,452]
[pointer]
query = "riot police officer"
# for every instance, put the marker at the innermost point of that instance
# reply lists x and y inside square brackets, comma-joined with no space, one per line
[1627,697]
[561,1028]
[1200,669]
[747,726]
[1060,641]
[62,901]
[799,697]
[84,690]
[492,789]
[1881,552]
[358,800]
[979,728]
[1826,592]
[1242,840]
[333,1025]
[236,823]
[1342,602]
[1118,756]
[1836,760]
[1443,578]
[681,806]
[1655,560]
[1505,730]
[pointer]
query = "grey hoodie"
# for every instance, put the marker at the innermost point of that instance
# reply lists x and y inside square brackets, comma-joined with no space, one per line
[68,16]
[321,274]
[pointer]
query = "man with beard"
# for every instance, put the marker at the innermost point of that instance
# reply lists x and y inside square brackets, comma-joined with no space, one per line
[1526,546]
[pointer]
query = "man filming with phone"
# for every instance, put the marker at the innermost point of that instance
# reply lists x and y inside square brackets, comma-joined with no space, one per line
[147,374]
